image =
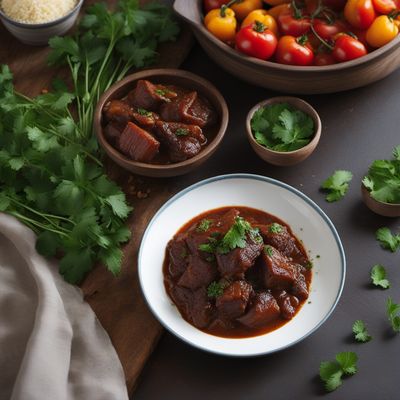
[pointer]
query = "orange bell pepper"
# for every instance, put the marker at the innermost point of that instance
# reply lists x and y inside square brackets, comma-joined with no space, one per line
[263,17]
[243,8]
[221,22]
[382,31]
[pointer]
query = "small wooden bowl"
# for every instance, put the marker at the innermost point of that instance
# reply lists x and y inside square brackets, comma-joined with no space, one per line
[379,207]
[166,76]
[288,78]
[280,158]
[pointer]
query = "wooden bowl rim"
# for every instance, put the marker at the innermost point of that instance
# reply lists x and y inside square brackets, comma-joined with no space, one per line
[159,72]
[380,52]
[382,204]
[310,147]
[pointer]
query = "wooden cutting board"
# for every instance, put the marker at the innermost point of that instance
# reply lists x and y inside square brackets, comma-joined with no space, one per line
[117,302]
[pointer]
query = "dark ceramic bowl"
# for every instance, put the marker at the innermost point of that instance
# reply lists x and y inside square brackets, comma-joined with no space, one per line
[165,76]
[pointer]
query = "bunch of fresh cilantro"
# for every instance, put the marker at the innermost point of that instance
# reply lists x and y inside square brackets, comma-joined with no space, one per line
[281,127]
[383,179]
[51,175]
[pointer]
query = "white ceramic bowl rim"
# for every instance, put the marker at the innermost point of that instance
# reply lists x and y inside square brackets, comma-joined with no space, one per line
[273,182]
[43,24]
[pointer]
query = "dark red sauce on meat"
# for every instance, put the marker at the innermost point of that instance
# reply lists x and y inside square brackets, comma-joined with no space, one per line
[237,272]
[159,124]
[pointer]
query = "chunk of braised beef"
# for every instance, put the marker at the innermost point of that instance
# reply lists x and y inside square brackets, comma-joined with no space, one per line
[195,305]
[188,108]
[146,119]
[199,273]
[138,144]
[178,254]
[232,303]
[118,111]
[149,96]
[182,141]
[235,263]
[277,271]
[300,288]
[226,220]
[288,304]
[282,240]
[112,132]
[263,310]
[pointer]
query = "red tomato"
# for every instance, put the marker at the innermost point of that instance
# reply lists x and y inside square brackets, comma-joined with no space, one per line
[359,13]
[348,48]
[289,24]
[385,6]
[321,59]
[328,30]
[256,40]
[212,4]
[294,51]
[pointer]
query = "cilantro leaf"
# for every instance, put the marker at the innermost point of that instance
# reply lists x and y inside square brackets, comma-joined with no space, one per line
[383,179]
[378,276]
[215,289]
[331,372]
[118,205]
[337,185]
[392,310]
[275,228]
[204,225]
[387,240]
[360,332]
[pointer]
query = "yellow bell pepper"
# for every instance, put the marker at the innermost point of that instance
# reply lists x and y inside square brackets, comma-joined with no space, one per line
[221,22]
[263,17]
[276,2]
[382,31]
[278,10]
[243,8]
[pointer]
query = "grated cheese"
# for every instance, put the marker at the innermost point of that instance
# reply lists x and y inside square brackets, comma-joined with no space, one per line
[36,11]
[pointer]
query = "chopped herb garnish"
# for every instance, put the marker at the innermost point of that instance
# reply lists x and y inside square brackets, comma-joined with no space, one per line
[383,179]
[331,372]
[337,185]
[360,332]
[204,225]
[317,256]
[210,258]
[268,250]
[308,265]
[282,127]
[236,237]
[215,289]
[182,132]
[378,276]
[161,92]
[144,112]
[387,239]
[392,310]
[275,228]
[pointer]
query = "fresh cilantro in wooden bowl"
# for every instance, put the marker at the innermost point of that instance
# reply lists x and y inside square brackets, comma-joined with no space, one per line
[381,186]
[283,130]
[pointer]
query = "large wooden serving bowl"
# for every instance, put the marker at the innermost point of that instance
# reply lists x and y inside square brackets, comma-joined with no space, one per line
[291,79]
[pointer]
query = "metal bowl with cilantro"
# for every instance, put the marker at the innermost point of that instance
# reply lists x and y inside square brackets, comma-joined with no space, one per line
[283,130]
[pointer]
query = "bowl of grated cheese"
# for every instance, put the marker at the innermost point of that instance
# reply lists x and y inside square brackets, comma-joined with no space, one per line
[34,22]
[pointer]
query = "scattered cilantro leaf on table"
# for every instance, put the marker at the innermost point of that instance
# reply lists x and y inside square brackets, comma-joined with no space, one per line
[337,185]
[51,173]
[383,179]
[331,372]
[281,127]
[387,240]
[378,276]
[360,332]
[393,310]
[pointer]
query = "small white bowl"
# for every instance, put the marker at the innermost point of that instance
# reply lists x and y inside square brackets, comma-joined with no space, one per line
[308,222]
[39,34]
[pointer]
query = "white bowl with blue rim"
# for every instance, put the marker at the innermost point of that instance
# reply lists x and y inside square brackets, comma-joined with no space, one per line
[309,223]
[39,34]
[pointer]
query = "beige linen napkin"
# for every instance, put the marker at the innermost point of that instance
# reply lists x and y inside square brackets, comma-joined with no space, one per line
[52,347]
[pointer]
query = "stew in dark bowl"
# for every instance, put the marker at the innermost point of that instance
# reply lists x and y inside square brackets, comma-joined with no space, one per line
[237,272]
